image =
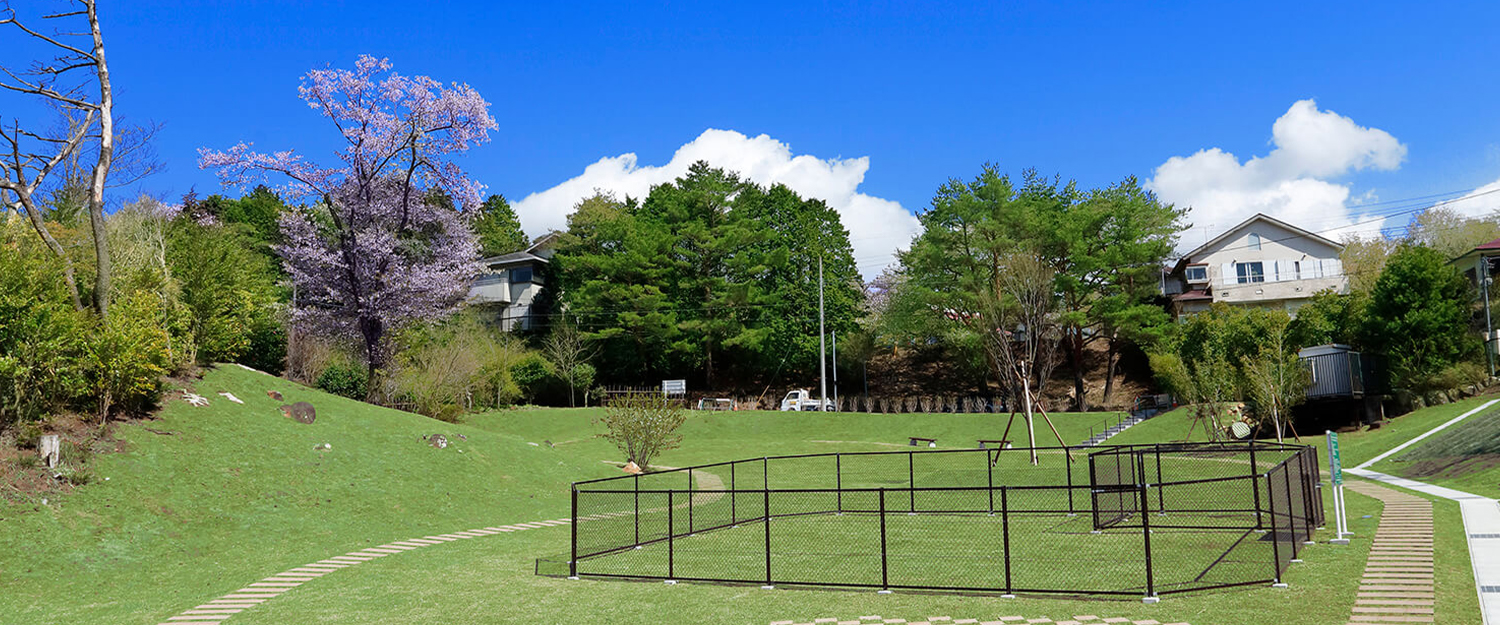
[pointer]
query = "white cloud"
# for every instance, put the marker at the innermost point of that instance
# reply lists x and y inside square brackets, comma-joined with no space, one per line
[1483,202]
[877,226]
[1290,183]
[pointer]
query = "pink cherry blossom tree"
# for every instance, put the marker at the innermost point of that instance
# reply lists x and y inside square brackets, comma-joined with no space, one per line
[376,250]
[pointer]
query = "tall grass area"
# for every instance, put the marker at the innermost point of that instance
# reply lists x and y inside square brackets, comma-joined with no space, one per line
[1466,456]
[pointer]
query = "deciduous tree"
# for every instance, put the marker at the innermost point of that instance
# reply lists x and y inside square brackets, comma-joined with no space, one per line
[373,254]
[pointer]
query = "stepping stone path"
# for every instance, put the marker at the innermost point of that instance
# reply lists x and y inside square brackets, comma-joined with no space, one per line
[256,593]
[1087,619]
[219,610]
[1397,584]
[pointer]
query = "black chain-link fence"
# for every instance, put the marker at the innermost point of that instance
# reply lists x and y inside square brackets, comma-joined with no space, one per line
[1135,520]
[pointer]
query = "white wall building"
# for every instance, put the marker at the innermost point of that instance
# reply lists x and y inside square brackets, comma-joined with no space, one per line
[1261,262]
[510,283]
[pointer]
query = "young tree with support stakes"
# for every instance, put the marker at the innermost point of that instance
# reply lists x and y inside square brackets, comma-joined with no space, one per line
[1018,323]
[375,253]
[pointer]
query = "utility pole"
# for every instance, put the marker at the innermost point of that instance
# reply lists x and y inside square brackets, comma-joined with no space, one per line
[835,340]
[822,345]
[1489,330]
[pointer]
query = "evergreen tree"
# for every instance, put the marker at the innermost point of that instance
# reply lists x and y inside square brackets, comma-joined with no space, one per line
[498,229]
[1418,315]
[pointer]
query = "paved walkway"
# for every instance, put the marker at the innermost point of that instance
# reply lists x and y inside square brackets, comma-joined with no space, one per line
[1397,583]
[1481,527]
[254,594]
[1087,619]
[1481,519]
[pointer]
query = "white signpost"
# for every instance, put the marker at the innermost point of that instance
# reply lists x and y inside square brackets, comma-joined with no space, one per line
[1336,470]
[674,388]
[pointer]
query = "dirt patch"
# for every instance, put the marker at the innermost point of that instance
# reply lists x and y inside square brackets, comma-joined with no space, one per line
[1452,467]
[25,479]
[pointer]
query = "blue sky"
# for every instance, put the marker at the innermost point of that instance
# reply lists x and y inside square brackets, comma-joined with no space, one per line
[924,91]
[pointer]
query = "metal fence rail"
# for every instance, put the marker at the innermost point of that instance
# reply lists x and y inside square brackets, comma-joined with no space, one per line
[1134,520]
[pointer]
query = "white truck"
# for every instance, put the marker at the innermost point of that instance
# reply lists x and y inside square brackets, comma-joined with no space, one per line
[800,400]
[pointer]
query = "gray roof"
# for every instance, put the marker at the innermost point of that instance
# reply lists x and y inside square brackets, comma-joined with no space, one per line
[513,258]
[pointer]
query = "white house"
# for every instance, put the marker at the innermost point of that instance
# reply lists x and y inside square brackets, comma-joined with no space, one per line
[510,283]
[1261,262]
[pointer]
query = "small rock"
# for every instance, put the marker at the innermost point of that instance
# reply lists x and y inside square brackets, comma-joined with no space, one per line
[323,447]
[533,444]
[274,395]
[632,468]
[438,441]
[463,437]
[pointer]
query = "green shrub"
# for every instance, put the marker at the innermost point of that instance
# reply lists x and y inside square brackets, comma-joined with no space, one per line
[447,368]
[41,334]
[532,375]
[229,287]
[1458,375]
[128,357]
[345,378]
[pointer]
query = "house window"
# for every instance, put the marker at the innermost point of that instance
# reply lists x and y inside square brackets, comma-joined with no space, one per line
[1250,272]
[1254,241]
[1296,270]
[520,274]
[1197,273]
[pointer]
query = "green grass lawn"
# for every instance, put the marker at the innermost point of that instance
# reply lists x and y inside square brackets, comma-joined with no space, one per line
[719,436]
[209,499]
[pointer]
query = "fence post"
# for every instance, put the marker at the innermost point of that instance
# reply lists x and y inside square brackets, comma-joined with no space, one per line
[1255,486]
[767,502]
[734,517]
[573,559]
[885,571]
[1068,464]
[637,482]
[989,469]
[1275,537]
[911,479]
[838,477]
[1005,532]
[671,536]
[1161,502]
[1291,515]
[1146,535]
[690,501]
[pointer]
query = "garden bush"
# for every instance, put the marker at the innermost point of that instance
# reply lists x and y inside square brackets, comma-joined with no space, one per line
[345,378]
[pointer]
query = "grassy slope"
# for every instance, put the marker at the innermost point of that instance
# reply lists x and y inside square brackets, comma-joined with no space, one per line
[1169,426]
[238,492]
[1478,432]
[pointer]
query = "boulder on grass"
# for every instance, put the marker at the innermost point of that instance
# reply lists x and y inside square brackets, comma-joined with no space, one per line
[301,412]
[633,469]
[438,441]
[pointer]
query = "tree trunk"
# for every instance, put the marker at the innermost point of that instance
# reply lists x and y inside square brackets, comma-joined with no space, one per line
[1081,401]
[1109,368]
[373,332]
[101,169]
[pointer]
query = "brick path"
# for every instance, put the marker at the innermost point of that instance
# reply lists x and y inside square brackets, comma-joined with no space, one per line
[1397,584]
[1087,619]
[254,594]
